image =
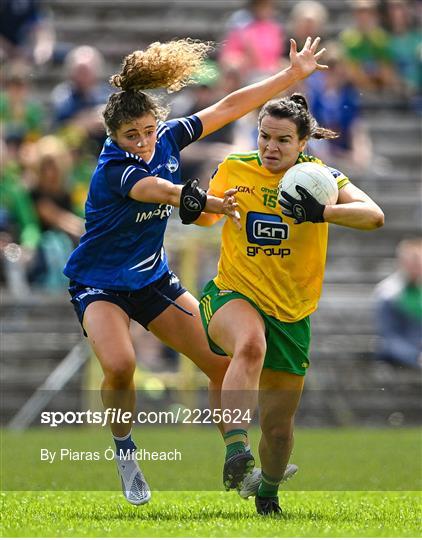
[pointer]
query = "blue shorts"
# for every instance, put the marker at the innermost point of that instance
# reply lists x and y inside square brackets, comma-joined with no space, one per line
[142,305]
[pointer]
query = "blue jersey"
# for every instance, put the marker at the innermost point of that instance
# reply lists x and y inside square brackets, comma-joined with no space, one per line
[122,248]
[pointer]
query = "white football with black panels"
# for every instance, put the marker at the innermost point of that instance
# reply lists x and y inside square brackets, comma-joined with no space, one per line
[315,178]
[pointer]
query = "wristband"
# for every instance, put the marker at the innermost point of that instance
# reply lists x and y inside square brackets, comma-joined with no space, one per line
[192,202]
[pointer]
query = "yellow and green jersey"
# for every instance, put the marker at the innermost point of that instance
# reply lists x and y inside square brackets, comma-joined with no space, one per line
[278,265]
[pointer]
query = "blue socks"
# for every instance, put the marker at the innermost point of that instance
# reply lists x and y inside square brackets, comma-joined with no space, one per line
[124,444]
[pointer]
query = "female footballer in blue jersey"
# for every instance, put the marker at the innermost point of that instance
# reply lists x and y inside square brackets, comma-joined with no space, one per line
[120,271]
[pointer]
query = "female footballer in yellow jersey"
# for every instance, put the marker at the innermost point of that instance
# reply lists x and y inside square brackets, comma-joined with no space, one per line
[269,281]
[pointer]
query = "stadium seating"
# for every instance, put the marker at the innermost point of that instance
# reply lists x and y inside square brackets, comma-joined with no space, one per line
[38,332]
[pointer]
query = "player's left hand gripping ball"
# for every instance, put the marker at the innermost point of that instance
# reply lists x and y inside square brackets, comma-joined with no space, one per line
[192,202]
[307,208]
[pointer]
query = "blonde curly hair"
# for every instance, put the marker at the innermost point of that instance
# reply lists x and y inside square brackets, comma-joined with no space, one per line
[168,65]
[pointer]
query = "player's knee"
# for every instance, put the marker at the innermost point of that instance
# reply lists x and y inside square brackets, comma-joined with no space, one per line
[252,352]
[120,374]
[278,436]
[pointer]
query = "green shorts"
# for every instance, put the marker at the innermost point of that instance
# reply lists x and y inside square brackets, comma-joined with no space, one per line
[287,343]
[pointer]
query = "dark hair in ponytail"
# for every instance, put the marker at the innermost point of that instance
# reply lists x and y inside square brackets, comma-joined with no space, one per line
[295,108]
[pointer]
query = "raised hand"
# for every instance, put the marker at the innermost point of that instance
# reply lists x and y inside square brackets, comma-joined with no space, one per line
[305,62]
[230,207]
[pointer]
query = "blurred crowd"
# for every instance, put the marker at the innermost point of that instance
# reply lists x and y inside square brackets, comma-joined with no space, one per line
[398,304]
[48,147]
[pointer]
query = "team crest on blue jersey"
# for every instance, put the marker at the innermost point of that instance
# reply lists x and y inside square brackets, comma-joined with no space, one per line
[335,172]
[172,164]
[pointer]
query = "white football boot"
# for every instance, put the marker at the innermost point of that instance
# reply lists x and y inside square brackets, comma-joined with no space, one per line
[252,480]
[134,486]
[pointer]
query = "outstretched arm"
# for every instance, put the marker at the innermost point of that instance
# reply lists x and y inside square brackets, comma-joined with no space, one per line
[153,189]
[247,99]
[207,220]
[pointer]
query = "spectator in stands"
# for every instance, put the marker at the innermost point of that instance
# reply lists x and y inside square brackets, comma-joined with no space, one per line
[21,117]
[240,18]
[255,44]
[50,195]
[83,163]
[77,101]
[307,18]
[367,49]
[406,45]
[25,31]
[18,215]
[60,227]
[398,301]
[19,225]
[334,101]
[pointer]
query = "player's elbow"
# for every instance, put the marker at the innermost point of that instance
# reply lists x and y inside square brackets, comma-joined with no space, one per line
[372,218]
[377,219]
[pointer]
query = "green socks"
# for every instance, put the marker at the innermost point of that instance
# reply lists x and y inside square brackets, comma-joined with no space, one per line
[235,441]
[268,486]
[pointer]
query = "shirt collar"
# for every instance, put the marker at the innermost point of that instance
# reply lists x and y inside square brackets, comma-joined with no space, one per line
[112,150]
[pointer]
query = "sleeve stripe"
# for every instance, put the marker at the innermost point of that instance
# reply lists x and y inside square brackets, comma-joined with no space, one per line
[159,135]
[127,172]
[188,127]
[161,128]
[343,181]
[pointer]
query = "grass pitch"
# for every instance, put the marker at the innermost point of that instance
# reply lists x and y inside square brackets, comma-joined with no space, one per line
[355,462]
[210,514]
